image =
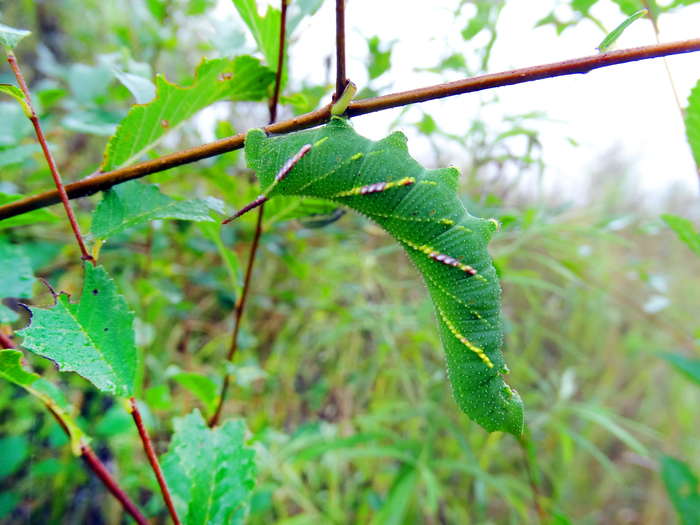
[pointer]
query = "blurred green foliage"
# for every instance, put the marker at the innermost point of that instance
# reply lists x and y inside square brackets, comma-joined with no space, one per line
[340,374]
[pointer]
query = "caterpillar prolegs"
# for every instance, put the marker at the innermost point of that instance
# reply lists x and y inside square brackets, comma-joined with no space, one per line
[420,209]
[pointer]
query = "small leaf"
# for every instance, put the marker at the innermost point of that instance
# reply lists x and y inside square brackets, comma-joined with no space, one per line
[201,386]
[210,472]
[132,203]
[682,487]
[692,122]
[94,337]
[617,32]
[242,78]
[16,271]
[9,36]
[379,61]
[690,368]
[684,229]
[18,95]
[11,368]
[42,215]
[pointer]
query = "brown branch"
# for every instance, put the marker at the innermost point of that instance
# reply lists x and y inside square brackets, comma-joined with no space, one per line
[105,181]
[91,459]
[101,472]
[240,304]
[340,79]
[49,158]
[153,460]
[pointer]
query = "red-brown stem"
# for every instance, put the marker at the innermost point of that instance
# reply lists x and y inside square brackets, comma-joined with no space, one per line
[240,304]
[99,469]
[105,181]
[280,63]
[153,460]
[49,158]
[340,79]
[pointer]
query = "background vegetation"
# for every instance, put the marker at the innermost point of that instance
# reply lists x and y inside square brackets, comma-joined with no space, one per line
[340,374]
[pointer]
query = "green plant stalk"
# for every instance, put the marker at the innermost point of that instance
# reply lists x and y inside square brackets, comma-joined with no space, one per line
[99,182]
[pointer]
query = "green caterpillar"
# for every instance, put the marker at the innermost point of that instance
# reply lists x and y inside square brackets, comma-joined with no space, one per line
[420,209]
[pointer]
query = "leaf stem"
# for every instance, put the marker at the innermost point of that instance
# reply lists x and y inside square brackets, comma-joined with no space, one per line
[340,78]
[91,459]
[240,304]
[49,158]
[93,184]
[153,460]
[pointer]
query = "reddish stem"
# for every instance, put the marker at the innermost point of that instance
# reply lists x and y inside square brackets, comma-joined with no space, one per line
[49,158]
[96,183]
[340,79]
[5,341]
[101,471]
[280,63]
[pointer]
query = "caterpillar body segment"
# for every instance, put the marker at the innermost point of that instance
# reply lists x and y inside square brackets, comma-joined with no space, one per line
[421,210]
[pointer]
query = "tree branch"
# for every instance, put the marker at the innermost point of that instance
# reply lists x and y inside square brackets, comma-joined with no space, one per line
[340,79]
[105,181]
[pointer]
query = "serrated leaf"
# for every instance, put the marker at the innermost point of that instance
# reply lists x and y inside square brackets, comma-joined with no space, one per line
[132,203]
[42,215]
[18,95]
[682,487]
[16,271]
[242,78]
[684,229]
[690,368]
[9,36]
[265,30]
[11,368]
[210,472]
[94,337]
[201,386]
[692,122]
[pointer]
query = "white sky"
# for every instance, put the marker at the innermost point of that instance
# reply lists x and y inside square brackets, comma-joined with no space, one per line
[631,106]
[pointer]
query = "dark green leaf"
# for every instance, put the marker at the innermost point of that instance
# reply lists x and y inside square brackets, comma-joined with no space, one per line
[132,203]
[692,122]
[9,36]
[210,472]
[94,337]
[42,215]
[690,368]
[684,229]
[242,78]
[13,452]
[16,271]
[682,487]
[8,501]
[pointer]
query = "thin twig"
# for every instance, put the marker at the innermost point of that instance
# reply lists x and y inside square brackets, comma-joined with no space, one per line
[49,158]
[105,181]
[240,304]
[153,460]
[91,459]
[340,79]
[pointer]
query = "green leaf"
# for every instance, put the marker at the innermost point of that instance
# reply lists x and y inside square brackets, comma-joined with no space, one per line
[42,215]
[265,30]
[379,61]
[11,368]
[132,203]
[18,95]
[142,88]
[682,487]
[210,472]
[617,32]
[394,510]
[692,122]
[94,337]
[690,368]
[16,271]
[9,36]
[18,154]
[13,452]
[230,257]
[684,229]
[201,386]
[92,122]
[8,501]
[242,78]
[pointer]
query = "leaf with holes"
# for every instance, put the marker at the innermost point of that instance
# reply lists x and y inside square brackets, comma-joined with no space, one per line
[210,472]
[242,78]
[94,337]
[421,210]
[133,203]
